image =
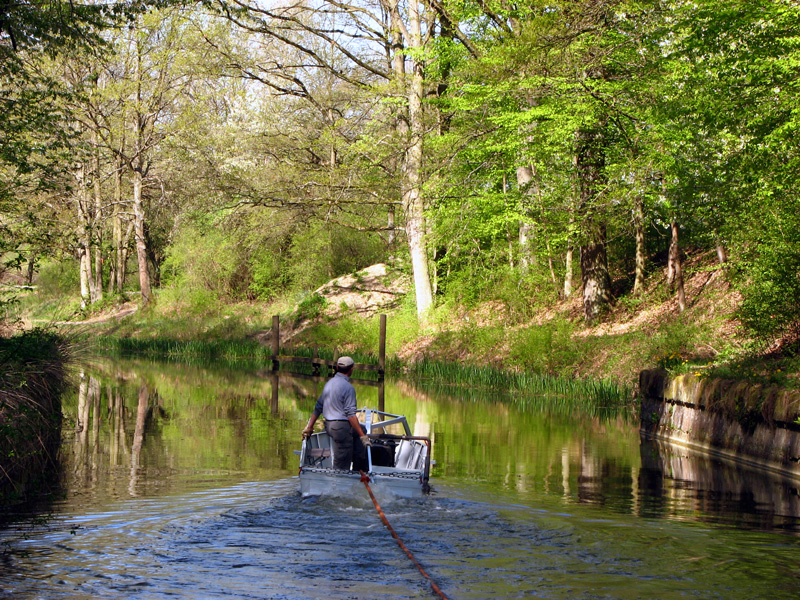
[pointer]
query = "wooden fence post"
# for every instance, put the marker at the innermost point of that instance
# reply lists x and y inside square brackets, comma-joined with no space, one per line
[382,365]
[276,341]
[382,348]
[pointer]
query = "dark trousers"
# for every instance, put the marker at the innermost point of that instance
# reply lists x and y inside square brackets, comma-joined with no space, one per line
[347,446]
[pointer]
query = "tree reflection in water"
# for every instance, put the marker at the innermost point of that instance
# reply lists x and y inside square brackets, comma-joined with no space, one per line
[147,428]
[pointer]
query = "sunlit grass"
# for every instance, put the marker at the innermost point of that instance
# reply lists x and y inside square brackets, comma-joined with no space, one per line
[528,389]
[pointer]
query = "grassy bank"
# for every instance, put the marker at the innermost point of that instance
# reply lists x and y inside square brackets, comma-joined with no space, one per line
[32,378]
[546,347]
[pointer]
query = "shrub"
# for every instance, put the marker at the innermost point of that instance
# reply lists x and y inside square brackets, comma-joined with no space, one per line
[547,348]
[206,260]
[58,278]
[310,308]
[268,279]
[674,340]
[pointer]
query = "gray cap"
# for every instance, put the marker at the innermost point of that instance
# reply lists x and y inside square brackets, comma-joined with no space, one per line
[345,362]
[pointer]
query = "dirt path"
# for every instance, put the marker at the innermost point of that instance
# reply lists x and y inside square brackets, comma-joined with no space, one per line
[117,313]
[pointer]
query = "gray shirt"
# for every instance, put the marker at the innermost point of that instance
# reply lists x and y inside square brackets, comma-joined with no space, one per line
[338,399]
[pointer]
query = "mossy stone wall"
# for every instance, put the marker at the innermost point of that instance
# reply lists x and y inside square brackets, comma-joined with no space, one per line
[747,422]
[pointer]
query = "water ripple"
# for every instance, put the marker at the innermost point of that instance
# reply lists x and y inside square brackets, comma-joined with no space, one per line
[264,541]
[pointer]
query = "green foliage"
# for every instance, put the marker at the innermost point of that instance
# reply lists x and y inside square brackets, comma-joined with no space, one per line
[205,264]
[356,334]
[310,307]
[57,295]
[672,362]
[33,134]
[58,279]
[769,275]
[742,153]
[319,253]
[548,348]
[268,279]
[227,259]
[672,341]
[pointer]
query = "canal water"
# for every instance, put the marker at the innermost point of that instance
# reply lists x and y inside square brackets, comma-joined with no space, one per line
[181,482]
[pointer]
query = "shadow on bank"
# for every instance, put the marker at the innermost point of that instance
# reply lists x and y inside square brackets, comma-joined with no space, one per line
[32,380]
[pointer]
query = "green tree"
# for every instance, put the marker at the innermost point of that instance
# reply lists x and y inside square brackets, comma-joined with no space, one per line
[557,93]
[32,137]
[731,83]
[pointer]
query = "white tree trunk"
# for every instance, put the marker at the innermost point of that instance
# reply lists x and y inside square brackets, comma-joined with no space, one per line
[568,286]
[638,223]
[83,259]
[722,253]
[97,238]
[84,237]
[413,201]
[141,242]
[525,176]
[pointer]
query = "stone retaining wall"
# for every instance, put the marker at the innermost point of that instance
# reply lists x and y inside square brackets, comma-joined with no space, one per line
[746,422]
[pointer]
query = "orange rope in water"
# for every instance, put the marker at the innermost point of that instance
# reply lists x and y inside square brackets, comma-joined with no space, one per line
[365,481]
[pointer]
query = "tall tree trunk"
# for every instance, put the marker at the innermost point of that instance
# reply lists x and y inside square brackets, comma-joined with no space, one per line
[590,162]
[509,238]
[638,223]
[120,242]
[116,231]
[594,273]
[568,281]
[525,183]
[31,268]
[97,237]
[722,253]
[83,261]
[141,242]
[139,168]
[331,116]
[391,240]
[675,270]
[413,201]
[568,270]
[553,277]
[84,237]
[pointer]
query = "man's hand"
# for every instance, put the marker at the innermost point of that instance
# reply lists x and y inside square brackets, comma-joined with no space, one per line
[307,432]
[366,441]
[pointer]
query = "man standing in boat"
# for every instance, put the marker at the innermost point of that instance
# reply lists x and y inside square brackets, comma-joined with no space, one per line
[337,405]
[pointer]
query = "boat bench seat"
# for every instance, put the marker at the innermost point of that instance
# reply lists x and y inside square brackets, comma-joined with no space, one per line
[314,456]
[410,456]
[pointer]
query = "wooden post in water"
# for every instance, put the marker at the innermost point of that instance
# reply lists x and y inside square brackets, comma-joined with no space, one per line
[275,386]
[382,348]
[314,365]
[276,341]
[382,364]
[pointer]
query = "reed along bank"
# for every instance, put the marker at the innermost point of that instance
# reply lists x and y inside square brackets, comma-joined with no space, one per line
[33,376]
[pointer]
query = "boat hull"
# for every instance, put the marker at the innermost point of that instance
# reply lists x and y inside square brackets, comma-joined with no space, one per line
[328,482]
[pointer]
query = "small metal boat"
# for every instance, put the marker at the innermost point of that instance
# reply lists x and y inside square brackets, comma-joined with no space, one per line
[398,463]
